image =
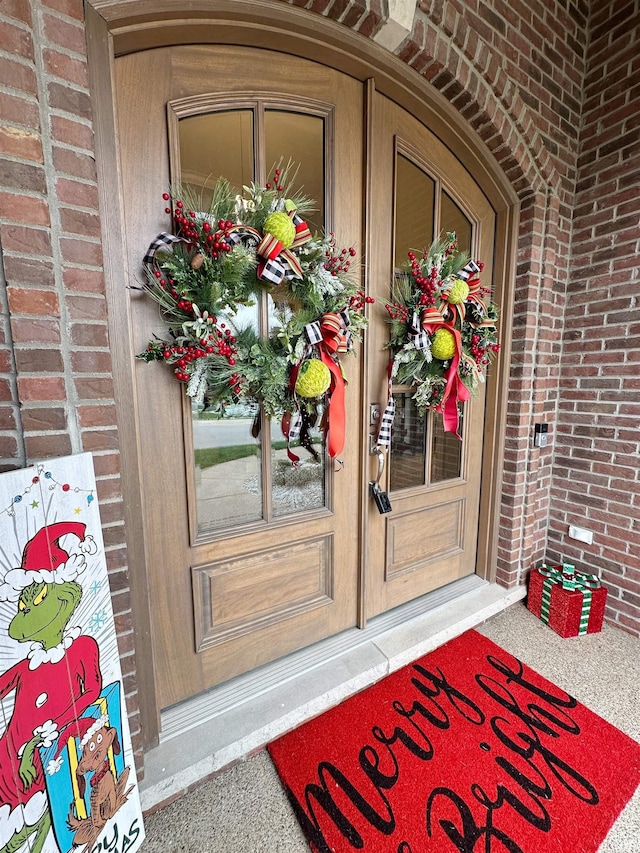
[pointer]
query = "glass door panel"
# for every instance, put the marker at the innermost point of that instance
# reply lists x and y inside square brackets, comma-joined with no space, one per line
[237,480]
[299,138]
[446,450]
[453,219]
[215,144]
[408,445]
[414,208]
[422,453]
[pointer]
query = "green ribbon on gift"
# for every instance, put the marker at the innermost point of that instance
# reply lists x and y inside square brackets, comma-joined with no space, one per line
[570,580]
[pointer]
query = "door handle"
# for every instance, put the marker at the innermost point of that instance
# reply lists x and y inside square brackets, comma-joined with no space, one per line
[375,413]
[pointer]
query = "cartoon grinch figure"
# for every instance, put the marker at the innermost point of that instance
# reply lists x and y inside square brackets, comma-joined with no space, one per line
[54,684]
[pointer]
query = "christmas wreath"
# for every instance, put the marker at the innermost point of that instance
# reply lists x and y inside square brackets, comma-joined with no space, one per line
[442,332]
[217,261]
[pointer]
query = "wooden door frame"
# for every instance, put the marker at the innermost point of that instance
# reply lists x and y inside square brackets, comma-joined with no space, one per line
[114,27]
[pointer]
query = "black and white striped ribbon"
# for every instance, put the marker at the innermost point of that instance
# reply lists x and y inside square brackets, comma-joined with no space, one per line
[469,269]
[295,425]
[417,336]
[384,434]
[272,271]
[162,241]
[313,333]
[346,322]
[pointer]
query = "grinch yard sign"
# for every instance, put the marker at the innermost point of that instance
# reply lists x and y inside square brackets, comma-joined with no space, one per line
[67,779]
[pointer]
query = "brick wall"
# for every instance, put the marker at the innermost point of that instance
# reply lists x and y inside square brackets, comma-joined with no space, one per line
[56,388]
[596,478]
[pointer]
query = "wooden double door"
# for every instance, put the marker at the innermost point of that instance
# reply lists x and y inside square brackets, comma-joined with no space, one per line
[248,558]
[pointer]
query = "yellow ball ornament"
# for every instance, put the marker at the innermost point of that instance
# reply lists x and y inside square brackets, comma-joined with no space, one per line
[443,345]
[458,293]
[280,225]
[314,377]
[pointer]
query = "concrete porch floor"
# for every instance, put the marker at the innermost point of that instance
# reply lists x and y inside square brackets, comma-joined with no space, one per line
[244,808]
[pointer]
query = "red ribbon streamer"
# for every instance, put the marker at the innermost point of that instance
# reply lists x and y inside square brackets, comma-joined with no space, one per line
[455,390]
[334,340]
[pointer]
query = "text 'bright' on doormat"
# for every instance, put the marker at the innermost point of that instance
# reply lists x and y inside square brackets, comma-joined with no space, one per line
[465,750]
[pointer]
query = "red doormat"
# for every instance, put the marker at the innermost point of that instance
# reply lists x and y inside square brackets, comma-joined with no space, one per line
[465,750]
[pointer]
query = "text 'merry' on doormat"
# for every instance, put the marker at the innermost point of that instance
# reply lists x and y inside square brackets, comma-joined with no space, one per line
[467,750]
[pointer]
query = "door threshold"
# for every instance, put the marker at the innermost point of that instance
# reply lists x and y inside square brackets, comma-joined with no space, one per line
[206,734]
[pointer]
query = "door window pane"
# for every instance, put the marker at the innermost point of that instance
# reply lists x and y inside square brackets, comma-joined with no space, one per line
[446,450]
[300,488]
[408,445]
[453,219]
[299,138]
[215,145]
[227,451]
[415,194]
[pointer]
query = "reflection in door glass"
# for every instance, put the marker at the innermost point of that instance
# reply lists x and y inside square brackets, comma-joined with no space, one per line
[453,219]
[227,467]
[215,145]
[408,445]
[228,475]
[299,138]
[415,194]
[302,487]
[446,450]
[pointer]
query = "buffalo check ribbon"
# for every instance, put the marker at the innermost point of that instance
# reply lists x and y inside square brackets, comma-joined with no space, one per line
[572,581]
[277,263]
[163,241]
[417,335]
[386,421]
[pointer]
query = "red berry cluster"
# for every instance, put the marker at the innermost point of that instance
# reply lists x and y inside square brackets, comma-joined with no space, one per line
[181,300]
[218,341]
[359,300]
[428,284]
[397,311]
[187,227]
[337,261]
[275,183]
[479,350]
[234,382]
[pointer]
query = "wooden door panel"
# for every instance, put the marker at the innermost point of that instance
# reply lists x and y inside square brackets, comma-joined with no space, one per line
[248,592]
[223,604]
[430,538]
[416,538]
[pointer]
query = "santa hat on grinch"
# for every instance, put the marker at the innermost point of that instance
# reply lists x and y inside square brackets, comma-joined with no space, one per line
[45,561]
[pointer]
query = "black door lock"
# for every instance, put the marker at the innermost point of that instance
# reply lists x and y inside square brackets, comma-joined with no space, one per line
[380,497]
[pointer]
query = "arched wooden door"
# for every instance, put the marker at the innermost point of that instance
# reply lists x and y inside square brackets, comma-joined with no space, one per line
[419,193]
[247,559]
[242,568]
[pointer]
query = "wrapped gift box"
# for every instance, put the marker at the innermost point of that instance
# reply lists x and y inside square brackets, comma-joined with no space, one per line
[570,602]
